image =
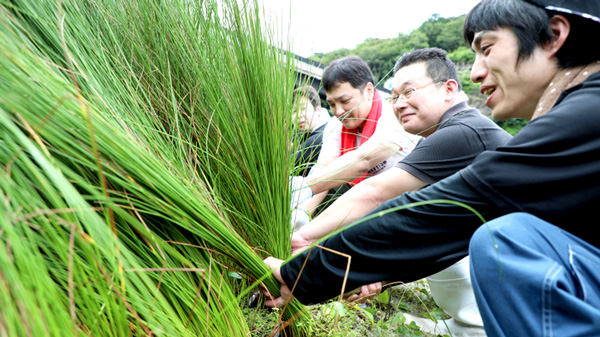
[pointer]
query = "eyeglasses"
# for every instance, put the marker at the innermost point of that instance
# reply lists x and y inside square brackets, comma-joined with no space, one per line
[405,95]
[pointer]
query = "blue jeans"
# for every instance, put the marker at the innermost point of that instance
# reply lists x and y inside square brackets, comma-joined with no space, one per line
[531,278]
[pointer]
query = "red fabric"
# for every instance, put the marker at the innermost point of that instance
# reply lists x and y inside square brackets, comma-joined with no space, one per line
[349,136]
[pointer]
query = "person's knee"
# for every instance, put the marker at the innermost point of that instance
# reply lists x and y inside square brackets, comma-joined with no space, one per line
[487,239]
[506,227]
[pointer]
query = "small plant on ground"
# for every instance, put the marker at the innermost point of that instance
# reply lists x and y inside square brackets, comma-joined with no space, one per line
[382,316]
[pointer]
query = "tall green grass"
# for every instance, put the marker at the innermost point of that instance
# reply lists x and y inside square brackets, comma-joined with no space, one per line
[144,156]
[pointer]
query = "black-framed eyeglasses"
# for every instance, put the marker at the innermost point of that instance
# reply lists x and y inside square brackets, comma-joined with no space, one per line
[405,95]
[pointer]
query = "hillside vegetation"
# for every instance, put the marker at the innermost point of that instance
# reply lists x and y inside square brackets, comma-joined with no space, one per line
[437,31]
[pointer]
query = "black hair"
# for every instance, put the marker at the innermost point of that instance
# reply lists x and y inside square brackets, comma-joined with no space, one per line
[580,48]
[351,69]
[438,65]
[531,25]
[309,92]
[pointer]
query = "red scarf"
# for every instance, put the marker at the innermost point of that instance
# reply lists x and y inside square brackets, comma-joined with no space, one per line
[349,136]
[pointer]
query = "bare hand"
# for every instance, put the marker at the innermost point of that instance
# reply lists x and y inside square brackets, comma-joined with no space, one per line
[299,243]
[285,293]
[367,292]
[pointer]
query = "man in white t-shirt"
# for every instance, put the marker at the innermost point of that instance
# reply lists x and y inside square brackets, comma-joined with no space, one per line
[364,140]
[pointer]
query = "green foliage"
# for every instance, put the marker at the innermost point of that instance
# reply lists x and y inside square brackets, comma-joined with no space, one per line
[326,58]
[415,40]
[469,87]
[462,55]
[336,319]
[386,312]
[445,33]
[512,126]
[381,54]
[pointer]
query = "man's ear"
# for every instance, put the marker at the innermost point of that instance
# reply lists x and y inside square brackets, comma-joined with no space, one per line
[561,28]
[369,90]
[451,87]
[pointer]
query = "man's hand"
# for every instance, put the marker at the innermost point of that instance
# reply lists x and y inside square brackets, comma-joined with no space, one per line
[285,292]
[299,243]
[367,292]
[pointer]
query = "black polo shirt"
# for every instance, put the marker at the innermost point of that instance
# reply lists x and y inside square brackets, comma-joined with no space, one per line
[462,134]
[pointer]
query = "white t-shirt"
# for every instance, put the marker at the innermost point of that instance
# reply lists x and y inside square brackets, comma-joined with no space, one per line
[388,131]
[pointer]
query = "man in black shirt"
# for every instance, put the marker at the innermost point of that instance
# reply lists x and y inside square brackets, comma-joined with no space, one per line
[535,266]
[436,109]
[427,96]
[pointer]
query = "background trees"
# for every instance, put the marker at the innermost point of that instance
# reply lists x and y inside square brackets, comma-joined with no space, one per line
[445,33]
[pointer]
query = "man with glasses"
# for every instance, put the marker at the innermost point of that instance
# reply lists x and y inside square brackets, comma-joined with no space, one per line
[364,139]
[427,98]
[535,263]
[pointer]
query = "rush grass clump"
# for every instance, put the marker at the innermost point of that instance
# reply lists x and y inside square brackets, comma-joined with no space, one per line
[144,157]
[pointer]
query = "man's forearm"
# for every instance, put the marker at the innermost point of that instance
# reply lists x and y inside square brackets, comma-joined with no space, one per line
[359,201]
[402,245]
[337,174]
[350,166]
[313,203]
[351,206]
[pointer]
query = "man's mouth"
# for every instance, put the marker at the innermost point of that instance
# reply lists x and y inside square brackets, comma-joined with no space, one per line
[488,91]
[405,117]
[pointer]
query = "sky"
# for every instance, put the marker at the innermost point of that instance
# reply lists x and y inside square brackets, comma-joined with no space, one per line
[322,26]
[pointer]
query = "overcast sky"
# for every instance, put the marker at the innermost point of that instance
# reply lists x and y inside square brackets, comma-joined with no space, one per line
[321,26]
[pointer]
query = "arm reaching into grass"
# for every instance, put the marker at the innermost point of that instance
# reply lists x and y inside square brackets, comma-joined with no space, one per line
[285,292]
[286,296]
[351,165]
[345,169]
[388,145]
[356,203]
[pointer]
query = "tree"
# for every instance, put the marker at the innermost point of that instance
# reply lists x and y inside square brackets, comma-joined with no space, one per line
[432,28]
[327,58]
[449,37]
[380,55]
[415,40]
[462,55]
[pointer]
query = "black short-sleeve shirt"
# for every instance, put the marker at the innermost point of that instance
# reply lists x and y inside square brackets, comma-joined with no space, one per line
[551,168]
[463,133]
[308,152]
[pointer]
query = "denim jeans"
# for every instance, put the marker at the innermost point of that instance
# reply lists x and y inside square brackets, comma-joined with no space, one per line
[532,278]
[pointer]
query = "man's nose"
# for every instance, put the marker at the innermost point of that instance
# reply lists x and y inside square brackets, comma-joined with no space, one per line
[478,70]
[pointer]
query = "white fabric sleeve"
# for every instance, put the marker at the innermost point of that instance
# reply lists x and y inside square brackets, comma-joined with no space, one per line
[332,143]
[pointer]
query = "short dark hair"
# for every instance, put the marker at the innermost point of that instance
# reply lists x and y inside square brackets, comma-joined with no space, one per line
[309,92]
[531,25]
[351,69]
[438,65]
